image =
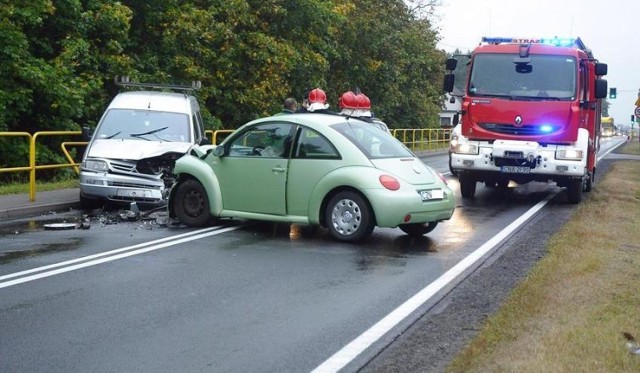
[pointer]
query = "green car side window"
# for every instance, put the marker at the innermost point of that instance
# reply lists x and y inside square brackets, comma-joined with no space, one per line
[312,145]
[267,140]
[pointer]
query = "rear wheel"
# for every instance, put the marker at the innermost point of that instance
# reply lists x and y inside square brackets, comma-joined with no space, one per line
[349,217]
[191,204]
[418,229]
[467,186]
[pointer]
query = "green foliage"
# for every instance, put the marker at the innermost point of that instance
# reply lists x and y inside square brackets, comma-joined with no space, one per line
[59,58]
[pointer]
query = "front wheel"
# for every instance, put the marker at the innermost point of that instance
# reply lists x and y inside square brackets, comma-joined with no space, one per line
[418,229]
[191,204]
[574,191]
[349,217]
[467,186]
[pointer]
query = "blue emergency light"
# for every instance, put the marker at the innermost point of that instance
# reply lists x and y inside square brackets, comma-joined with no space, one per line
[559,42]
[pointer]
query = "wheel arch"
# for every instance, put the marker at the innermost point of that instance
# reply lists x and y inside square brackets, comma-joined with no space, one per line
[196,169]
[342,188]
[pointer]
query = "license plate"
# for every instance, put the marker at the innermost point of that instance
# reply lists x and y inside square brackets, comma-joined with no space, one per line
[142,193]
[515,170]
[428,195]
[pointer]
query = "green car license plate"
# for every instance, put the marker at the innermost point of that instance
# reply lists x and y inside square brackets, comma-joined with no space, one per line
[429,195]
[515,170]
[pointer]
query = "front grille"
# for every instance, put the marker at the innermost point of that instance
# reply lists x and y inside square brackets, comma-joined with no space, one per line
[510,129]
[120,184]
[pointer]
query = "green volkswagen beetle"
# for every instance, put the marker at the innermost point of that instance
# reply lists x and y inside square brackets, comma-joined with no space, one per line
[338,172]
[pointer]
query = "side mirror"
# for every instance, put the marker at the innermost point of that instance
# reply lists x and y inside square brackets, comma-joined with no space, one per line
[451,64]
[447,85]
[601,69]
[87,133]
[601,88]
[456,119]
[218,151]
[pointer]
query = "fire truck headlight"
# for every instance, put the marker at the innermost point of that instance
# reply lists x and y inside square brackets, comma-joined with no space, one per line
[465,148]
[569,154]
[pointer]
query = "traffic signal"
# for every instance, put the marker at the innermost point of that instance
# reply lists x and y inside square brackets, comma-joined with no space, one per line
[613,92]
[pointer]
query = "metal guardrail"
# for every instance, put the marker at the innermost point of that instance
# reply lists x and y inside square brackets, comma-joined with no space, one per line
[418,140]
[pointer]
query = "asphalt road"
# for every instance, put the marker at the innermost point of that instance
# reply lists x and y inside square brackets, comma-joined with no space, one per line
[259,298]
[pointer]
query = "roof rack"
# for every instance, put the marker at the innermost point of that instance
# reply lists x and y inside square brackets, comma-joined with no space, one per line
[125,82]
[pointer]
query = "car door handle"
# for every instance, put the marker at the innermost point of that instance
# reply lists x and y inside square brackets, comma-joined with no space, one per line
[278,170]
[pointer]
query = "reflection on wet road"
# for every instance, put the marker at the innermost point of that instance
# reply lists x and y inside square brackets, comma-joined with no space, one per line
[263,297]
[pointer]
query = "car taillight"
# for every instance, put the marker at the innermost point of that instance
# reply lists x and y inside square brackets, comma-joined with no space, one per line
[389,182]
[442,177]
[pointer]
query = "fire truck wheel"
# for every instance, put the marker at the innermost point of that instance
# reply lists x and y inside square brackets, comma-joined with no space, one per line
[467,186]
[574,191]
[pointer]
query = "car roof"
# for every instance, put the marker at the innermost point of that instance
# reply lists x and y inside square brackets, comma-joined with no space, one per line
[311,119]
[153,100]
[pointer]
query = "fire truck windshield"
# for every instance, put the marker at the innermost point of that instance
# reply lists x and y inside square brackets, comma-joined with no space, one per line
[540,77]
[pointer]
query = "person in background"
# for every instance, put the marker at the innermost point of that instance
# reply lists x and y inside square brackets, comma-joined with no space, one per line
[305,103]
[289,106]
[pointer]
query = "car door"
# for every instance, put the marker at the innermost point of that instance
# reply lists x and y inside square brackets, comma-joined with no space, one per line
[253,173]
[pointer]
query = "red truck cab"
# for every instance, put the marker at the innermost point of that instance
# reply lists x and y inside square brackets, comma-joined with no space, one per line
[530,111]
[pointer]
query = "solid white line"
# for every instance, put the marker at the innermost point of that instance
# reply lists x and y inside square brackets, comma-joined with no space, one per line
[349,352]
[89,257]
[114,257]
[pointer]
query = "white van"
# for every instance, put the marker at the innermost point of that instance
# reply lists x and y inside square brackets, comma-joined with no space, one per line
[131,153]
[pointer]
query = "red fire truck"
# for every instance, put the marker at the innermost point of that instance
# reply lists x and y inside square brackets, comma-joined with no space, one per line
[530,112]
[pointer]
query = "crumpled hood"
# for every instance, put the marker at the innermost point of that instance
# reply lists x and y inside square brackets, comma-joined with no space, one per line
[134,149]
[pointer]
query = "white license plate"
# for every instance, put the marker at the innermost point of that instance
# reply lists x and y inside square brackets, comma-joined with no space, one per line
[515,170]
[428,195]
[142,193]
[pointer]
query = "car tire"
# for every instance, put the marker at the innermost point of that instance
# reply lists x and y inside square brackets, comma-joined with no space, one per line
[349,217]
[191,204]
[574,191]
[87,203]
[467,186]
[418,229]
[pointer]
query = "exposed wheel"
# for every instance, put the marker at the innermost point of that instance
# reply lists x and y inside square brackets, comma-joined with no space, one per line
[418,229]
[349,217]
[574,191]
[467,186]
[87,203]
[191,204]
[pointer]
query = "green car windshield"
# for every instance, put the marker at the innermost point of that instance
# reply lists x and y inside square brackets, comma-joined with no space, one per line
[372,141]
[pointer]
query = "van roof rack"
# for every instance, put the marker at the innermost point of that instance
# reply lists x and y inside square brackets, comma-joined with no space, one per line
[124,81]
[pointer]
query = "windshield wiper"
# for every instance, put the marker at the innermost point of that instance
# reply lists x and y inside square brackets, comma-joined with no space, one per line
[149,132]
[114,135]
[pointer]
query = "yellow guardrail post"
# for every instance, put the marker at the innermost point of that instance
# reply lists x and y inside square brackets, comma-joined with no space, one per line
[68,156]
[32,159]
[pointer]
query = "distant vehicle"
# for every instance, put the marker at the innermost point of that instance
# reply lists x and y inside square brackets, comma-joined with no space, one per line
[131,153]
[607,127]
[319,169]
[530,111]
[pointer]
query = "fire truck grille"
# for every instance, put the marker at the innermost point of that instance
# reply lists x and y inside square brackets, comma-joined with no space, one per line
[509,129]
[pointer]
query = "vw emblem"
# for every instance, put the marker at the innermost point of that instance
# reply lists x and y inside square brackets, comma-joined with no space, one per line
[518,121]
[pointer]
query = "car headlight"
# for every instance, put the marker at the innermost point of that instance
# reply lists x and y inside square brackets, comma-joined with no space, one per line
[465,148]
[98,166]
[569,154]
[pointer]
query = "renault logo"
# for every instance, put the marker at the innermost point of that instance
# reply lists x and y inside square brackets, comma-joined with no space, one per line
[518,121]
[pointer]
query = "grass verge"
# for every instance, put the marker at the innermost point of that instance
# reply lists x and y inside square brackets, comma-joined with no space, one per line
[17,188]
[569,314]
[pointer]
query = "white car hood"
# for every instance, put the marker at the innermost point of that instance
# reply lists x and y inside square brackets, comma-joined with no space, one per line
[134,149]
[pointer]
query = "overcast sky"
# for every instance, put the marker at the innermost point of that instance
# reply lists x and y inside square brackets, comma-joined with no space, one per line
[611,29]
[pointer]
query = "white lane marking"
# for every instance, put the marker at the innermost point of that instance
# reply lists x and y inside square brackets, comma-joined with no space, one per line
[349,352]
[89,257]
[115,257]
